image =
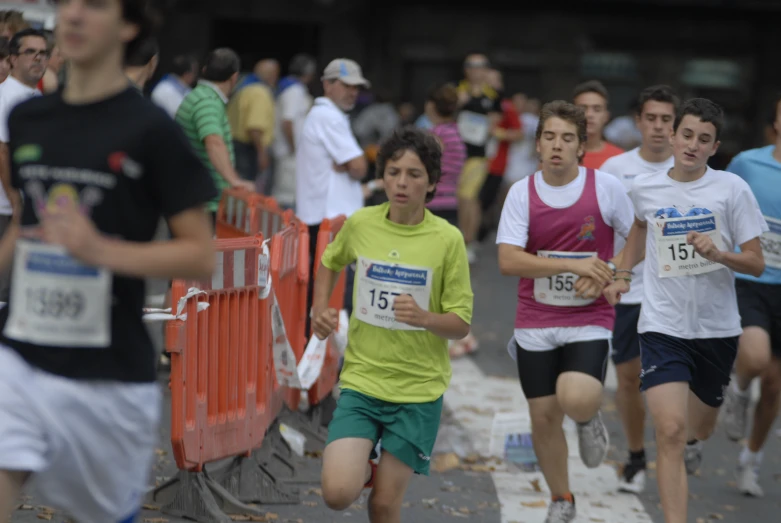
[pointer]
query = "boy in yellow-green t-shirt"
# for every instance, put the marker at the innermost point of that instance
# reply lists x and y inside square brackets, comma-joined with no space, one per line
[412,293]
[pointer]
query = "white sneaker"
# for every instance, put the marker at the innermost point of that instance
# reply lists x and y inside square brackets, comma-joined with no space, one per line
[735,413]
[692,457]
[593,440]
[561,511]
[748,481]
[632,480]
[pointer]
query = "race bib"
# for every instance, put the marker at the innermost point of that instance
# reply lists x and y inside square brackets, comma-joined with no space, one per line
[674,256]
[473,128]
[379,283]
[559,290]
[56,300]
[771,243]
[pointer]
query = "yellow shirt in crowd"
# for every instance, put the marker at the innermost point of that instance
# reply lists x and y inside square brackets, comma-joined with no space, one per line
[252,108]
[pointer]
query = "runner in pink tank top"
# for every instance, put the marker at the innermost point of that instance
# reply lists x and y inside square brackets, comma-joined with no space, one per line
[576,231]
[556,234]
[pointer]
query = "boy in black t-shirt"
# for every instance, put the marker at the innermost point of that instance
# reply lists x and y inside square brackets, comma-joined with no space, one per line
[99,165]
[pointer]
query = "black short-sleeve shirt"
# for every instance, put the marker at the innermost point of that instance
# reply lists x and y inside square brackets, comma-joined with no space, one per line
[125,163]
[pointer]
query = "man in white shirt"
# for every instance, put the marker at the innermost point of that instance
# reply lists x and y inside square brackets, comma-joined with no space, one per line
[657,108]
[28,56]
[329,162]
[698,227]
[292,105]
[173,87]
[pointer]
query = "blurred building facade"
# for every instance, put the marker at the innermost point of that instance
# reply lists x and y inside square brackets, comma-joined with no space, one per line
[725,50]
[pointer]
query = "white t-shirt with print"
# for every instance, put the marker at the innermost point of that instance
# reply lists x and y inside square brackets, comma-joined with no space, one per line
[326,138]
[701,305]
[626,167]
[12,93]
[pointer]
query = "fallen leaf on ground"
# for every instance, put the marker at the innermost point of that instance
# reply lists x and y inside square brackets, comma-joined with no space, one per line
[45,515]
[315,454]
[536,485]
[598,504]
[429,501]
[356,506]
[406,504]
[472,458]
[150,507]
[534,504]
[465,510]
[309,503]
[715,515]
[445,462]
[731,508]
[161,452]
[25,507]
[155,520]
[315,491]
[483,505]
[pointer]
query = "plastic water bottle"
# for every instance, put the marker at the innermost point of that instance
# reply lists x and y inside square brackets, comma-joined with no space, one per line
[519,451]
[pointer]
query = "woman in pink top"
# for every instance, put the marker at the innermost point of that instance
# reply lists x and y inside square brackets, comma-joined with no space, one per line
[440,109]
[556,233]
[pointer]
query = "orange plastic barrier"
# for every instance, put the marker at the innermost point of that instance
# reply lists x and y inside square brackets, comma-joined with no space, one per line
[220,361]
[330,374]
[242,213]
[290,277]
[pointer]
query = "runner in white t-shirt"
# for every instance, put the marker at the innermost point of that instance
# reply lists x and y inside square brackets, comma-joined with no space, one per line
[690,220]
[657,107]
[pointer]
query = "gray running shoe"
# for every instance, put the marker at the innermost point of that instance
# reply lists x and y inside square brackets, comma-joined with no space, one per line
[735,413]
[692,457]
[561,511]
[593,441]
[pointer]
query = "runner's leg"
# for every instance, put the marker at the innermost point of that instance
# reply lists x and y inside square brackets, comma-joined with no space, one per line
[345,471]
[390,485]
[754,356]
[668,404]
[11,483]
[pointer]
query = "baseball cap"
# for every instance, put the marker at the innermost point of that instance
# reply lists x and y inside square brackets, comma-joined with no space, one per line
[346,70]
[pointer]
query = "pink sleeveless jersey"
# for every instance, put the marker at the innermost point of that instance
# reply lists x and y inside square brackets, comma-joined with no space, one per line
[578,228]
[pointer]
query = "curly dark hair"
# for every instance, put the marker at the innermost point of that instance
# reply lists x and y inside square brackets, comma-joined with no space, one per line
[420,142]
[706,110]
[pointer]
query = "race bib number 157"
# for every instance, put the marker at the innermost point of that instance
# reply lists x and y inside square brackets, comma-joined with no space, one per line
[675,256]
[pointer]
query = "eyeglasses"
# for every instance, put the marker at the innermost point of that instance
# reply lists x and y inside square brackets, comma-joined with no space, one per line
[34,53]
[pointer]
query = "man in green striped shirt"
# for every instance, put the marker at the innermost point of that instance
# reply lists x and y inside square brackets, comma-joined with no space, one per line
[204,120]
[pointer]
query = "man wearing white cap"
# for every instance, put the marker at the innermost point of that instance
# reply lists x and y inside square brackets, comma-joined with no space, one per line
[329,162]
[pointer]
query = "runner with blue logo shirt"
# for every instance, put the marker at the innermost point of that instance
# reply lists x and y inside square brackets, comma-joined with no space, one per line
[690,221]
[759,303]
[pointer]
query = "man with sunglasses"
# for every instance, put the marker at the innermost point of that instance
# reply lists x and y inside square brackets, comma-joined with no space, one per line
[29,56]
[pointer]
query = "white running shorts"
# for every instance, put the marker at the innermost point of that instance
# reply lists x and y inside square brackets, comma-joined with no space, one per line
[88,444]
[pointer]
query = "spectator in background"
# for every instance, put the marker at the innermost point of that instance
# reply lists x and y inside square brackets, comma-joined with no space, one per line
[51,78]
[504,134]
[440,109]
[251,117]
[28,51]
[204,120]
[11,22]
[141,62]
[480,113]
[330,163]
[377,121]
[593,98]
[173,87]
[407,113]
[522,159]
[293,103]
[5,59]
[623,130]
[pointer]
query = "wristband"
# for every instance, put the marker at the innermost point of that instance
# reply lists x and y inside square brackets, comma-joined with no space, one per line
[628,271]
[629,280]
